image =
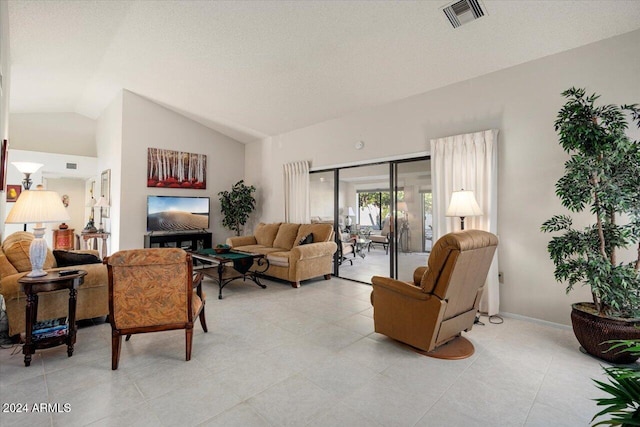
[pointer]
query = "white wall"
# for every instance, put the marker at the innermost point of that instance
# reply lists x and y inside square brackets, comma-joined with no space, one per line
[75,189]
[109,148]
[146,124]
[522,102]
[64,133]
[5,69]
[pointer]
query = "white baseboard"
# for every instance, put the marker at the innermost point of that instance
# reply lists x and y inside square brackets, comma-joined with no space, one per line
[534,320]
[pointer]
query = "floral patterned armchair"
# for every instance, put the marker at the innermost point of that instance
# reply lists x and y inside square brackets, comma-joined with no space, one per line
[153,290]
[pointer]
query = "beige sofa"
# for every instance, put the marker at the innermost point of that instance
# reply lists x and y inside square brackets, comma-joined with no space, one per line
[93,294]
[288,259]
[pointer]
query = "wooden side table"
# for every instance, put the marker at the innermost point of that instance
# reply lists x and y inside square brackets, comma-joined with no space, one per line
[88,236]
[63,239]
[53,281]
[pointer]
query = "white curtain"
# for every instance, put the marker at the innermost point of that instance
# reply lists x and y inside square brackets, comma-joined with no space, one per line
[469,162]
[296,192]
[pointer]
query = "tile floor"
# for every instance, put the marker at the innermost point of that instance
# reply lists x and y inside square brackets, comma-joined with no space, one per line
[304,357]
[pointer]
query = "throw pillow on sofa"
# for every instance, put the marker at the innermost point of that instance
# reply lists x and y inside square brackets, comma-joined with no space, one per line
[306,240]
[67,259]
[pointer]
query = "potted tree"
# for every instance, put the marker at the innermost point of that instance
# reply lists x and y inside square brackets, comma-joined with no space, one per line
[602,176]
[236,206]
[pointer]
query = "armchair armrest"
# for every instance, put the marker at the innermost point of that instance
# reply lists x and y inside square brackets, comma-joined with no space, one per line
[399,287]
[197,283]
[418,273]
[241,241]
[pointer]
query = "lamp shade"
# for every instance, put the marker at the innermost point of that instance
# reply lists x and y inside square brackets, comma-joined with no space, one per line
[101,203]
[351,212]
[37,206]
[402,207]
[463,204]
[27,167]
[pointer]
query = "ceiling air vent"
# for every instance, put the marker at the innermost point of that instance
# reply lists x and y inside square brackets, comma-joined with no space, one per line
[72,166]
[463,11]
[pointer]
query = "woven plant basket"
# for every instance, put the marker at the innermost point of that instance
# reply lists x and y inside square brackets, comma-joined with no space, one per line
[592,331]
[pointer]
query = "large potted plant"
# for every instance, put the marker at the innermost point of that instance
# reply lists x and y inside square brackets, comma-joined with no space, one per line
[236,206]
[602,177]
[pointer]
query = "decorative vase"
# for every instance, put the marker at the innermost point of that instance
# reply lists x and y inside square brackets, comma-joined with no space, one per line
[593,332]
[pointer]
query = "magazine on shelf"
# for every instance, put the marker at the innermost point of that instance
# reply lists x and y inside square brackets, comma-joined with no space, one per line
[49,334]
[43,326]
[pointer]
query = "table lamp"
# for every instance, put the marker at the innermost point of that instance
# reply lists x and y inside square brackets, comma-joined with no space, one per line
[90,227]
[463,204]
[37,206]
[347,220]
[101,203]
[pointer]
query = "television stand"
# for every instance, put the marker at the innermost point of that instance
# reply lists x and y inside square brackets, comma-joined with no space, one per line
[186,241]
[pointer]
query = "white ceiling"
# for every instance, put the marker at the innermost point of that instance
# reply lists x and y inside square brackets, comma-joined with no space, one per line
[254,69]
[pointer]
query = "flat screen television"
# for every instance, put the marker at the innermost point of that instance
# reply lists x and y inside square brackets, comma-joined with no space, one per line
[177,213]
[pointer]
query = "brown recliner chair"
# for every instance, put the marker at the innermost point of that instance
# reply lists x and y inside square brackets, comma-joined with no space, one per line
[153,290]
[443,300]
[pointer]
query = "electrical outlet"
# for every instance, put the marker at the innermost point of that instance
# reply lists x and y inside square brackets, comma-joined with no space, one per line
[500,277]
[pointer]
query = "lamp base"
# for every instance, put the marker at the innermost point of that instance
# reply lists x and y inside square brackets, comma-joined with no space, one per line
[90,228]
[37,273]
[37,252]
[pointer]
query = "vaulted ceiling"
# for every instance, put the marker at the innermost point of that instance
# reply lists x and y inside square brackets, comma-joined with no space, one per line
[252,69]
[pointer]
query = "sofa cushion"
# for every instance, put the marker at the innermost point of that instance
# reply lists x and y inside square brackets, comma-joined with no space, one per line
[280,258]
[18,255]
[286,236]
[266,233]
[67,258]
[321,232]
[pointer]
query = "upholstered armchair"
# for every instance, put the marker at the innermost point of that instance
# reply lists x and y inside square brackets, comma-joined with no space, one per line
[431,313]
[383,237]
[153,290]
[346,246]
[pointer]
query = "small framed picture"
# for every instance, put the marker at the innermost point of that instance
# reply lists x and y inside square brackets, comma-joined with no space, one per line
[13,191]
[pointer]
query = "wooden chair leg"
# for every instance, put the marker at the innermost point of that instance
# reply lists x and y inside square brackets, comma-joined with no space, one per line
[116,340]
[189,338]
[203,320]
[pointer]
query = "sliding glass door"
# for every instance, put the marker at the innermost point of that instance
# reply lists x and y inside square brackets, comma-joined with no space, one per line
[381,214]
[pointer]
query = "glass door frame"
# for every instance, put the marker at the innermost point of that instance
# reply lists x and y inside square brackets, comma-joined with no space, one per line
[393,188]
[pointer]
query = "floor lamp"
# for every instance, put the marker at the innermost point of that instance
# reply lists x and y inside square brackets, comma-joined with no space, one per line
[39,207]
[27,168]
[463,204]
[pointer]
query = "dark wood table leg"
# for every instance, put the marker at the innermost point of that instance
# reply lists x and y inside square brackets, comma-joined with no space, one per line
[71,338]
[220,271]
[31,310]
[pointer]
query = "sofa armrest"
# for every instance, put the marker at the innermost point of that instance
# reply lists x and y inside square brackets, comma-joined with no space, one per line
[313,250]
[241,241]
[399,287]
[9,286]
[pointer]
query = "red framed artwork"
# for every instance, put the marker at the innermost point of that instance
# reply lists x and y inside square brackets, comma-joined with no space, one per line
[176,169]
[13,191]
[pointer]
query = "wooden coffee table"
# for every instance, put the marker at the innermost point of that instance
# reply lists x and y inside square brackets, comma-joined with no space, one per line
[231,266]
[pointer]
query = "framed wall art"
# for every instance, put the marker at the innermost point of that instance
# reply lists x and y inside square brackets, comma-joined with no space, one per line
[105,190]
[176,169]
[13,191]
